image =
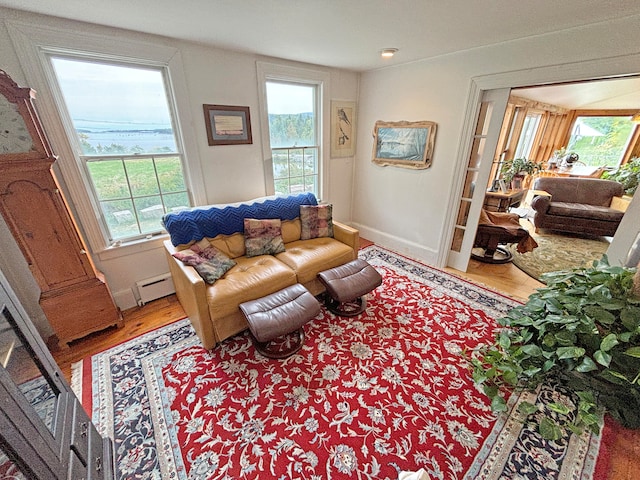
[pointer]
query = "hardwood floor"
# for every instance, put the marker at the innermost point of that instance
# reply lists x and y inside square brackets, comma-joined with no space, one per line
[624,445]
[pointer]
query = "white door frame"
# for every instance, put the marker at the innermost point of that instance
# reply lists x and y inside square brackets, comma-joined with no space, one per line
[611,67]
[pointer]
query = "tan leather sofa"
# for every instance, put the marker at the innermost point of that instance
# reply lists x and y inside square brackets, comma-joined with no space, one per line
[214,309]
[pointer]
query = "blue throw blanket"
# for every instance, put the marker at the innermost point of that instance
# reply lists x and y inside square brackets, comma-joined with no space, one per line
[210,221]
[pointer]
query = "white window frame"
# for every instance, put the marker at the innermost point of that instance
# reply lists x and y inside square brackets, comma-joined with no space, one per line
[288,74]
[34,43]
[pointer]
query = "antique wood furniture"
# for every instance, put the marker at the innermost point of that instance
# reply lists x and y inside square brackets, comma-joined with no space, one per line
[45,434]
[501,202]
[74,296]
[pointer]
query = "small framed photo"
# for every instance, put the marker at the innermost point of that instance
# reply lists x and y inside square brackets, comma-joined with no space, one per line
[503,186]
[227,124]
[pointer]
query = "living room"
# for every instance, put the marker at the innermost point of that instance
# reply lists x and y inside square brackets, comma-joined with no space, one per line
[409,211]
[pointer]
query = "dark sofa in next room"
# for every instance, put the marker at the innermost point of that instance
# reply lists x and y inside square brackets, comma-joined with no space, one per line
[588,206]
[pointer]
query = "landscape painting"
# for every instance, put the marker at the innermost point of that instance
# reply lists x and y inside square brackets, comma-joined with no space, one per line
[404,144]
[227,124]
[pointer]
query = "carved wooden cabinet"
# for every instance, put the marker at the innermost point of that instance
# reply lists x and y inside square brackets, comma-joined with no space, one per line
[45,434]
[75,298]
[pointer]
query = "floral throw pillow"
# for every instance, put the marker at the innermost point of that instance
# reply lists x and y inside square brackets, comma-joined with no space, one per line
[316,221]
[263,237]
[209,262]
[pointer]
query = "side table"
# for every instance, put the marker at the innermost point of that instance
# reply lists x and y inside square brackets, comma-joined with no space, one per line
[501,202]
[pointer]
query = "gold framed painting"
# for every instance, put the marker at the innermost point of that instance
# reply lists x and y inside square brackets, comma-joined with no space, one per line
[404,144]
[343,128]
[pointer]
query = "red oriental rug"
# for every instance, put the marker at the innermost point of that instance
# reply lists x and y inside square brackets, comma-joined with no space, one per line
[366,397]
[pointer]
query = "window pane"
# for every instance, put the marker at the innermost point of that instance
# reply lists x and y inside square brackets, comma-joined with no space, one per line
[121,218]
[310,161]
[296,185]
[176,201]
[528,134]
[280,164]
[600,141]
[291,114]
[282,186]
[170,174]
[109,179]
[150,211]
[116,109]
[142,176]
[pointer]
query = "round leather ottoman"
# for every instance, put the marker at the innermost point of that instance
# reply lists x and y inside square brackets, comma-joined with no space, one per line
[346,286]
[276,320]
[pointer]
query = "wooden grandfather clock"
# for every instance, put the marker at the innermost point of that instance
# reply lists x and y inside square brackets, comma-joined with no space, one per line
[74,297]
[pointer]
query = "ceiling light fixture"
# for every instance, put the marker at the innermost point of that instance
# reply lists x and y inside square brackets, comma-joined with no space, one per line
[388,52]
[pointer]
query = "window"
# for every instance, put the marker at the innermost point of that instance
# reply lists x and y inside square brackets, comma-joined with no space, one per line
[600,140]
[527,135]
[293,101]
[293,136]
[124,137]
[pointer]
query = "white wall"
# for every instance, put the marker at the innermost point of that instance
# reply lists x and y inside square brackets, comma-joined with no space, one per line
[407,210]
[230,173]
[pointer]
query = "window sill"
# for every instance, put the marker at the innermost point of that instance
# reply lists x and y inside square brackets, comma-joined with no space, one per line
[132,247]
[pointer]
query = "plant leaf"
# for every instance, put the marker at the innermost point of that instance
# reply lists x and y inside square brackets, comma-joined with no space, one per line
[609,342]
[532,350]
[587,365]
[498,404]
[633,352]
[527,408]
[602,358]
[558,408]
[570,352]
[549,429]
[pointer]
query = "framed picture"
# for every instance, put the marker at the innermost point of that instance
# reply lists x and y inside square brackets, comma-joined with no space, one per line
[227,124]
[404,144]
[343,128]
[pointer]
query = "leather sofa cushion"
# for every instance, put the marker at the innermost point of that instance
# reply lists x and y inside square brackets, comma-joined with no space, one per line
[580,210]
[291,230]
[310,257]
[591,191]
[251,278]
[233,245]
[230,245]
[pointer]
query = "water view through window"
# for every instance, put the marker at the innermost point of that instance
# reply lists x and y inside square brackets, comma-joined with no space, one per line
[124,132]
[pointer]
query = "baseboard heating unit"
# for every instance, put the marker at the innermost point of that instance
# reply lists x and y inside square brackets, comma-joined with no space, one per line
[154,288]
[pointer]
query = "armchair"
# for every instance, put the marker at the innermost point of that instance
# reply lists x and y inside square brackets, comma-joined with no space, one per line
[495,228]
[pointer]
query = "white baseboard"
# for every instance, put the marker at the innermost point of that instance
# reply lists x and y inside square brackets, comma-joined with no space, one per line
[399,245]
[125,299]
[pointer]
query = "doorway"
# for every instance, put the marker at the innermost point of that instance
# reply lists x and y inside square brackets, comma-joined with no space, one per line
[460,240]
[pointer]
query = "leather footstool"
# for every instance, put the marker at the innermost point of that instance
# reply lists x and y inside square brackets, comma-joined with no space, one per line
[346,286]
[276,321]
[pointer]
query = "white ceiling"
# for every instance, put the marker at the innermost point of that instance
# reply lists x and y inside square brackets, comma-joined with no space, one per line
[349,34]
[603,94]
[339,33]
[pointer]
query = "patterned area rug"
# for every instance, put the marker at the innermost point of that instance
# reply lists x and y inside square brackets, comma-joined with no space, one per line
[366,397]
[557,252]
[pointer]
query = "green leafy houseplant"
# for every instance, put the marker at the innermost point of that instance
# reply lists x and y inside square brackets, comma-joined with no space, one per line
[583,329]
[628,175]
[517,166]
